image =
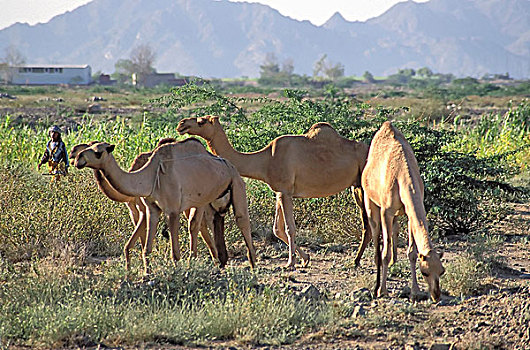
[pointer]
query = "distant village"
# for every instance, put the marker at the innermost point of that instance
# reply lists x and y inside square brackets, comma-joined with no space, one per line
[54,74]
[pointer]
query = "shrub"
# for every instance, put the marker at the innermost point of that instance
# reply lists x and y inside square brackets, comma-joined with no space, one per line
[458,184]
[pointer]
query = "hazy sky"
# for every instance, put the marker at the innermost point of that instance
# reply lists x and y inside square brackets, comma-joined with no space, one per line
[317,11]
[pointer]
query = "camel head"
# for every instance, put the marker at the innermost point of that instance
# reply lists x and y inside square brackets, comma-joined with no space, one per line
[431,268]
[94,156]
[74,151]
[205,127]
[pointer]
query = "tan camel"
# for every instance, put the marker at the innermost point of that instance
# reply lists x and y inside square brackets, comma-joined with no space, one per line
[392,186]
[210,214]
[178,176]
[318,163]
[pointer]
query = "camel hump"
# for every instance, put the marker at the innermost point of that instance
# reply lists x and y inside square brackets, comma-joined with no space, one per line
[140,161]
[389,131]
[174,149]
[165,140]
[321,130]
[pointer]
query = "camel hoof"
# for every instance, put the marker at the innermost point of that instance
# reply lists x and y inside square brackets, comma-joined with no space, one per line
[289,267]
[418,296]
[382,294]
[306,261]
[356,263]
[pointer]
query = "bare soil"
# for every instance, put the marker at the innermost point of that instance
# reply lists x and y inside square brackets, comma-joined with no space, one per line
[497,316]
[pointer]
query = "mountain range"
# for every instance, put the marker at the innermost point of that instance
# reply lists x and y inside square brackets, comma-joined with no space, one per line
[219,38]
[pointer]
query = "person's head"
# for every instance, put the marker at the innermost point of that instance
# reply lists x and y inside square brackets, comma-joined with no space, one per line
[55,133]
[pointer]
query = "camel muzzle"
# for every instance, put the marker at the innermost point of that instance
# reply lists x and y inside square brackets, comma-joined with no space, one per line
[182,129]
[80,163]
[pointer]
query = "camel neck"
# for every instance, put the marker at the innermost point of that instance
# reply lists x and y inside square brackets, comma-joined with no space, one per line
[108,190]
[138,183]
[252,165]
[420,231]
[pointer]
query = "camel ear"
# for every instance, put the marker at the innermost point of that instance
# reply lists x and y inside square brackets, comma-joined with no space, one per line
[213,119]
[110,148]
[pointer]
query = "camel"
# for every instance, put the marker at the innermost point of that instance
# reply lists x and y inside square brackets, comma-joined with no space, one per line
[318,163]
[392,186]
[212,215]
[178,176]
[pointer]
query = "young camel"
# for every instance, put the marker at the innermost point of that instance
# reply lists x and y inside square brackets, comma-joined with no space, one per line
[318,163]
[393,186]
[178,176]
[211,214]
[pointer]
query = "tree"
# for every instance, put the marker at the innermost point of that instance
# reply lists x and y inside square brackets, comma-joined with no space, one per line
[11,59]
[269,68]
[407,72]
[425,72]
[330,70]
[140,63]
[272,74]
[335,71]
[368,77]
[288,66]
[319,65]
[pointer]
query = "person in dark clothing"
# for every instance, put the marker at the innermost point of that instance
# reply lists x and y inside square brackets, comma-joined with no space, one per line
[55,155]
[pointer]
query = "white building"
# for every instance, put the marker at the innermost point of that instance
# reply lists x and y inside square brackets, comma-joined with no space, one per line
[51,74]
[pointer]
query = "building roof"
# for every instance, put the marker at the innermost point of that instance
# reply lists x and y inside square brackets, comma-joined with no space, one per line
[44,65]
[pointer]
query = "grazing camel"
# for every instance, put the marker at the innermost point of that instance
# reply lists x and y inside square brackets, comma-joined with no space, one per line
[393,186]
[178,176]
[318,163]
[210,214]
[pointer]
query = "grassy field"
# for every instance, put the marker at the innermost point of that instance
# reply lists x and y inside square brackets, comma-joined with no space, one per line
[62,277]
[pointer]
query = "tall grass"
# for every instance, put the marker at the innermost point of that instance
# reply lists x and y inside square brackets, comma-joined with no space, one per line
[496,134]
[24,144]
[183,305]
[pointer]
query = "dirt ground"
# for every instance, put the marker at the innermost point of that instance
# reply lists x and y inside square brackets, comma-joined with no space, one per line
[496,317]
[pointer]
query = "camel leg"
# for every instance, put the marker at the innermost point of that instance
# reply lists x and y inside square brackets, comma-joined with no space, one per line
[153,215]
[365,234]
[215,222]
[387,220]
[139,232]
[219,238]
[134,213]
[412,252]
[279,230]
[240,205]
[195,216]
[395,233]
[374,220]
[174,225]
[206,223]
[290,226]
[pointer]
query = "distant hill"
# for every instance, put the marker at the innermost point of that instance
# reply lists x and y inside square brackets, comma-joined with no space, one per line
[214,38]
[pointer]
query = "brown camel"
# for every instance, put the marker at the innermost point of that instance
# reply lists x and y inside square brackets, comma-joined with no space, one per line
[137,208]
[393,186]
[318,163]
[178,176]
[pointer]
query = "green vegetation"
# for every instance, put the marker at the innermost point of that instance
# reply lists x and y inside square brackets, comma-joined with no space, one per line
[66,306]
[61,276]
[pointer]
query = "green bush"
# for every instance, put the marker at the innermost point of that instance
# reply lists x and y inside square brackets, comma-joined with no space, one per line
[461,189]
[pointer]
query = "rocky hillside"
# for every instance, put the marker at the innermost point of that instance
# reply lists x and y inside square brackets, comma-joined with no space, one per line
[225,39]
